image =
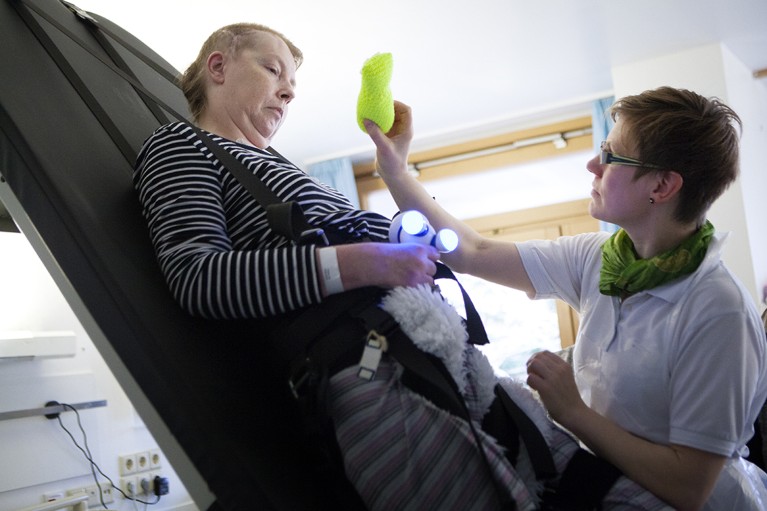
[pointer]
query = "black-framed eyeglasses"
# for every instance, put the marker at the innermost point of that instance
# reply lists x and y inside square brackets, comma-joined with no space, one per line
[606,157]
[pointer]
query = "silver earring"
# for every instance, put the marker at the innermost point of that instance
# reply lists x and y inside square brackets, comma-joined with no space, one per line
[652,201]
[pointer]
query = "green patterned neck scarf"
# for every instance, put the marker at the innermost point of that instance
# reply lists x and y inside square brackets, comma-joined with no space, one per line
[624,273]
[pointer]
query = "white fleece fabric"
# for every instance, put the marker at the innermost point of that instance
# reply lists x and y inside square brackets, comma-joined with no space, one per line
[435,327]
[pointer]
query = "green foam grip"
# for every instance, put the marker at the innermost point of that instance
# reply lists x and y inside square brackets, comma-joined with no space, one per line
[375,101]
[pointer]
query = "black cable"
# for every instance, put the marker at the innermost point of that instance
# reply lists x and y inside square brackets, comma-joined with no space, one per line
[86,452]
[94,466]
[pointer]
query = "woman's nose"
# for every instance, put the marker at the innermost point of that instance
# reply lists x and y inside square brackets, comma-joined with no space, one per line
[287,91]
[594,166]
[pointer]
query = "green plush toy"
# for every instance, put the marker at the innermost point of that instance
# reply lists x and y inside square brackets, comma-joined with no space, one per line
[375,101]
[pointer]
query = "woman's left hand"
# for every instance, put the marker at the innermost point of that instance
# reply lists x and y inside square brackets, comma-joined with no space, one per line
[553,379]
[682,476]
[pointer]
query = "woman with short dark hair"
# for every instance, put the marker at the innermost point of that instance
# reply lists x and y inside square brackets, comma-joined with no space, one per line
[670,362]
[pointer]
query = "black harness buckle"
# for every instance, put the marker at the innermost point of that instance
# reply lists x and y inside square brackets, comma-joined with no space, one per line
[316,236]
[303,378]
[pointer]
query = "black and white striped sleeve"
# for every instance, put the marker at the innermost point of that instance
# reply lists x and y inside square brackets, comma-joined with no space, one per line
[192,209]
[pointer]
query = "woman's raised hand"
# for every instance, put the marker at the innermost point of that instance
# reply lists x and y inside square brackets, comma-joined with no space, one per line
[392,148]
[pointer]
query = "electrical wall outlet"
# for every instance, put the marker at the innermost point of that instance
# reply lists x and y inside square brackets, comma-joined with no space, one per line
[107,495]
[155,459]
[139,462]
[142,461]
[128,464]
[146,483]
[130,486]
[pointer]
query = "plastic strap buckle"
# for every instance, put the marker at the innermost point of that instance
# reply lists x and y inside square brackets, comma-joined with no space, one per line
[375,345]
[316,236]
[303,374]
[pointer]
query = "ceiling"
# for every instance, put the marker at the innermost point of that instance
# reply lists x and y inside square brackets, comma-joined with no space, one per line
[466,67]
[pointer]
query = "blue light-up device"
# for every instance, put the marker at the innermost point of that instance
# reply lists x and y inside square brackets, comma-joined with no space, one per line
[413,227]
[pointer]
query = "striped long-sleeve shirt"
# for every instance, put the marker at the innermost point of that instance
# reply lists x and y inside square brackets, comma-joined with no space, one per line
[211,237]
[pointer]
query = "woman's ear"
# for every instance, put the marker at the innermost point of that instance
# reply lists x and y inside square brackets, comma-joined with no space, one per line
[667,186]
[215,66]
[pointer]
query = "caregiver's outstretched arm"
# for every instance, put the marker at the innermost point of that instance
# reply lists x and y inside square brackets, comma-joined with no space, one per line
[492,260]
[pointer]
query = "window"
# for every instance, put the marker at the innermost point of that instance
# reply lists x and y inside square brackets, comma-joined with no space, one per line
[513,189]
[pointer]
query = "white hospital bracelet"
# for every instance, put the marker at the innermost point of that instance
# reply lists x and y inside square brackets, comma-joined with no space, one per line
[331,274]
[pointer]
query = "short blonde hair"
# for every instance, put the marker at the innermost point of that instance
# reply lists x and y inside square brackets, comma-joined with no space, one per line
[229,39]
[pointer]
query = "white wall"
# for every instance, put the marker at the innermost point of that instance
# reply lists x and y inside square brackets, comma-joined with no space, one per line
[748,96]
[36,455]
[712,70]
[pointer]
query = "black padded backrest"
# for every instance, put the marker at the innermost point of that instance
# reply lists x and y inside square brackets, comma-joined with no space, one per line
[70,169]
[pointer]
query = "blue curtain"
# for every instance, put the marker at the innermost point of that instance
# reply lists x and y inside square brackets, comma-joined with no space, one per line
[339,174]
[601,124]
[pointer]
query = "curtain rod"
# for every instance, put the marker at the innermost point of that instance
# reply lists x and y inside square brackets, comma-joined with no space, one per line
[555,138]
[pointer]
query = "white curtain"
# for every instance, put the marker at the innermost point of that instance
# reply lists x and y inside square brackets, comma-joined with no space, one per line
[339,174]
[601,124]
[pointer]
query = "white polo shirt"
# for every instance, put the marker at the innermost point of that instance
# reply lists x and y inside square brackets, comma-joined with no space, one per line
[683,363]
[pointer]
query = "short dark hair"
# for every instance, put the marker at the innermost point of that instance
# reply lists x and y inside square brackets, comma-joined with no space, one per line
[682,131]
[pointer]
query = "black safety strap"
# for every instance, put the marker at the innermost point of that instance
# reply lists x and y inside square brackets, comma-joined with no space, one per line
[584,483]
[97,30]
[301,330]
[537,448]
[474,325]
[94,27]
[285,218]
[74,78]
[99,27]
